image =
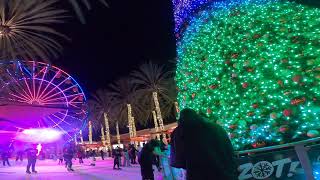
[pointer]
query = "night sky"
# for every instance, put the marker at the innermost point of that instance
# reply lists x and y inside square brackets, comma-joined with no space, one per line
[115,40]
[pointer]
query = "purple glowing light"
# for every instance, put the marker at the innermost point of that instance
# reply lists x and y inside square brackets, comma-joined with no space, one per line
[45,135]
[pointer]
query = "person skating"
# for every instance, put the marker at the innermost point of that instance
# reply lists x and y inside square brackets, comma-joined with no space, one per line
[5,158]
[102,154]
[116,156]
[126,159]
[80,156]
[68,155]
[19,156]
[32,159]
[60,157]
[202,148]
[93,158]
[146,158]
[133,154]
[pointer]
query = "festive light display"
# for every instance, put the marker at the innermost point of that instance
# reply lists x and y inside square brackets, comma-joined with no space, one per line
[106,122]
[103,139]
[158,111]
[253,66]
[118,133]
[183,9]
[81,137]
[130,121]
[156,126]
[90,132]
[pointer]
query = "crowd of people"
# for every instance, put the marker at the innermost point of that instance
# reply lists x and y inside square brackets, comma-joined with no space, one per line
[198,149]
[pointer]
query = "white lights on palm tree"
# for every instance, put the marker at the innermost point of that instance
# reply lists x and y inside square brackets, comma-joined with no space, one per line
[81,137]
[159,117]
[90,132]
[103,139]
[106,122]
[118,133]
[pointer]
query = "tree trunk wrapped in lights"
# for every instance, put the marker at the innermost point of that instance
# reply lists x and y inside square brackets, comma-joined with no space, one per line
[118,133]
[103,139]
[134,130]
[81,138]
[130,121]
[176,105]
[159,116]
[106,122]
[156,126]
[90,132]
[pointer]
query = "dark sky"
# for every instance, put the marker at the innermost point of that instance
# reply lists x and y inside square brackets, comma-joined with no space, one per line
[115,40]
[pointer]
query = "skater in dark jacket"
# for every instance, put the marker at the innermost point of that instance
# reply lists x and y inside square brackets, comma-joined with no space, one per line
[5,158]
[117,158]
[146,159]
[32,159]
[68,155]
[203,148]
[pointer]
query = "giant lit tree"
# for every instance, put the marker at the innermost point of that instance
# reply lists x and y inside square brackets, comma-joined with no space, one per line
[253,66]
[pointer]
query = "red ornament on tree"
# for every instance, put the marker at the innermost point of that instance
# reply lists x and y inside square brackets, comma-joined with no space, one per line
[245,85]
[235,55]
[233,126]
[213,86]
[193,95]
[255,105]
[296,78]
[287,112]
[209,111]
[284,128]
[280,83]
[227,61]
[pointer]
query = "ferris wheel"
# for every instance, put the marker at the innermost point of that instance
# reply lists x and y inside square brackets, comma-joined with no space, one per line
[47,95]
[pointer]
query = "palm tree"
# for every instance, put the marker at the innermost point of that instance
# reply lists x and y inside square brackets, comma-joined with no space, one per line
[100,109]
[149,78]
[123,92]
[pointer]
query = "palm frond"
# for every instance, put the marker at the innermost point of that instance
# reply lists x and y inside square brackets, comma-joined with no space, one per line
[100,103]
[150,78]
[26,31]
[123,92]
[78,10]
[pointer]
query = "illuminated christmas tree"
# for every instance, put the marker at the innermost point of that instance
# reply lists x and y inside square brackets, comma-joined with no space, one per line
[253,66]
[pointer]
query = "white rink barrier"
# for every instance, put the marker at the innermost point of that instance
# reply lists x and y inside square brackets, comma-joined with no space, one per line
[293,161]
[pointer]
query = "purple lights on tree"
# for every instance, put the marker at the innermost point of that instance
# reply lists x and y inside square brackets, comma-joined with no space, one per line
[183,9]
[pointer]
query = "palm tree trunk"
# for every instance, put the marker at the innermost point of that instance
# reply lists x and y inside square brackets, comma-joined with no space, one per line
[106,122]
[118,133]
[130,121]
[176,105]
[134,130]
[81,138]
[103,139]
[158,110]
[156,126]
[90,132]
